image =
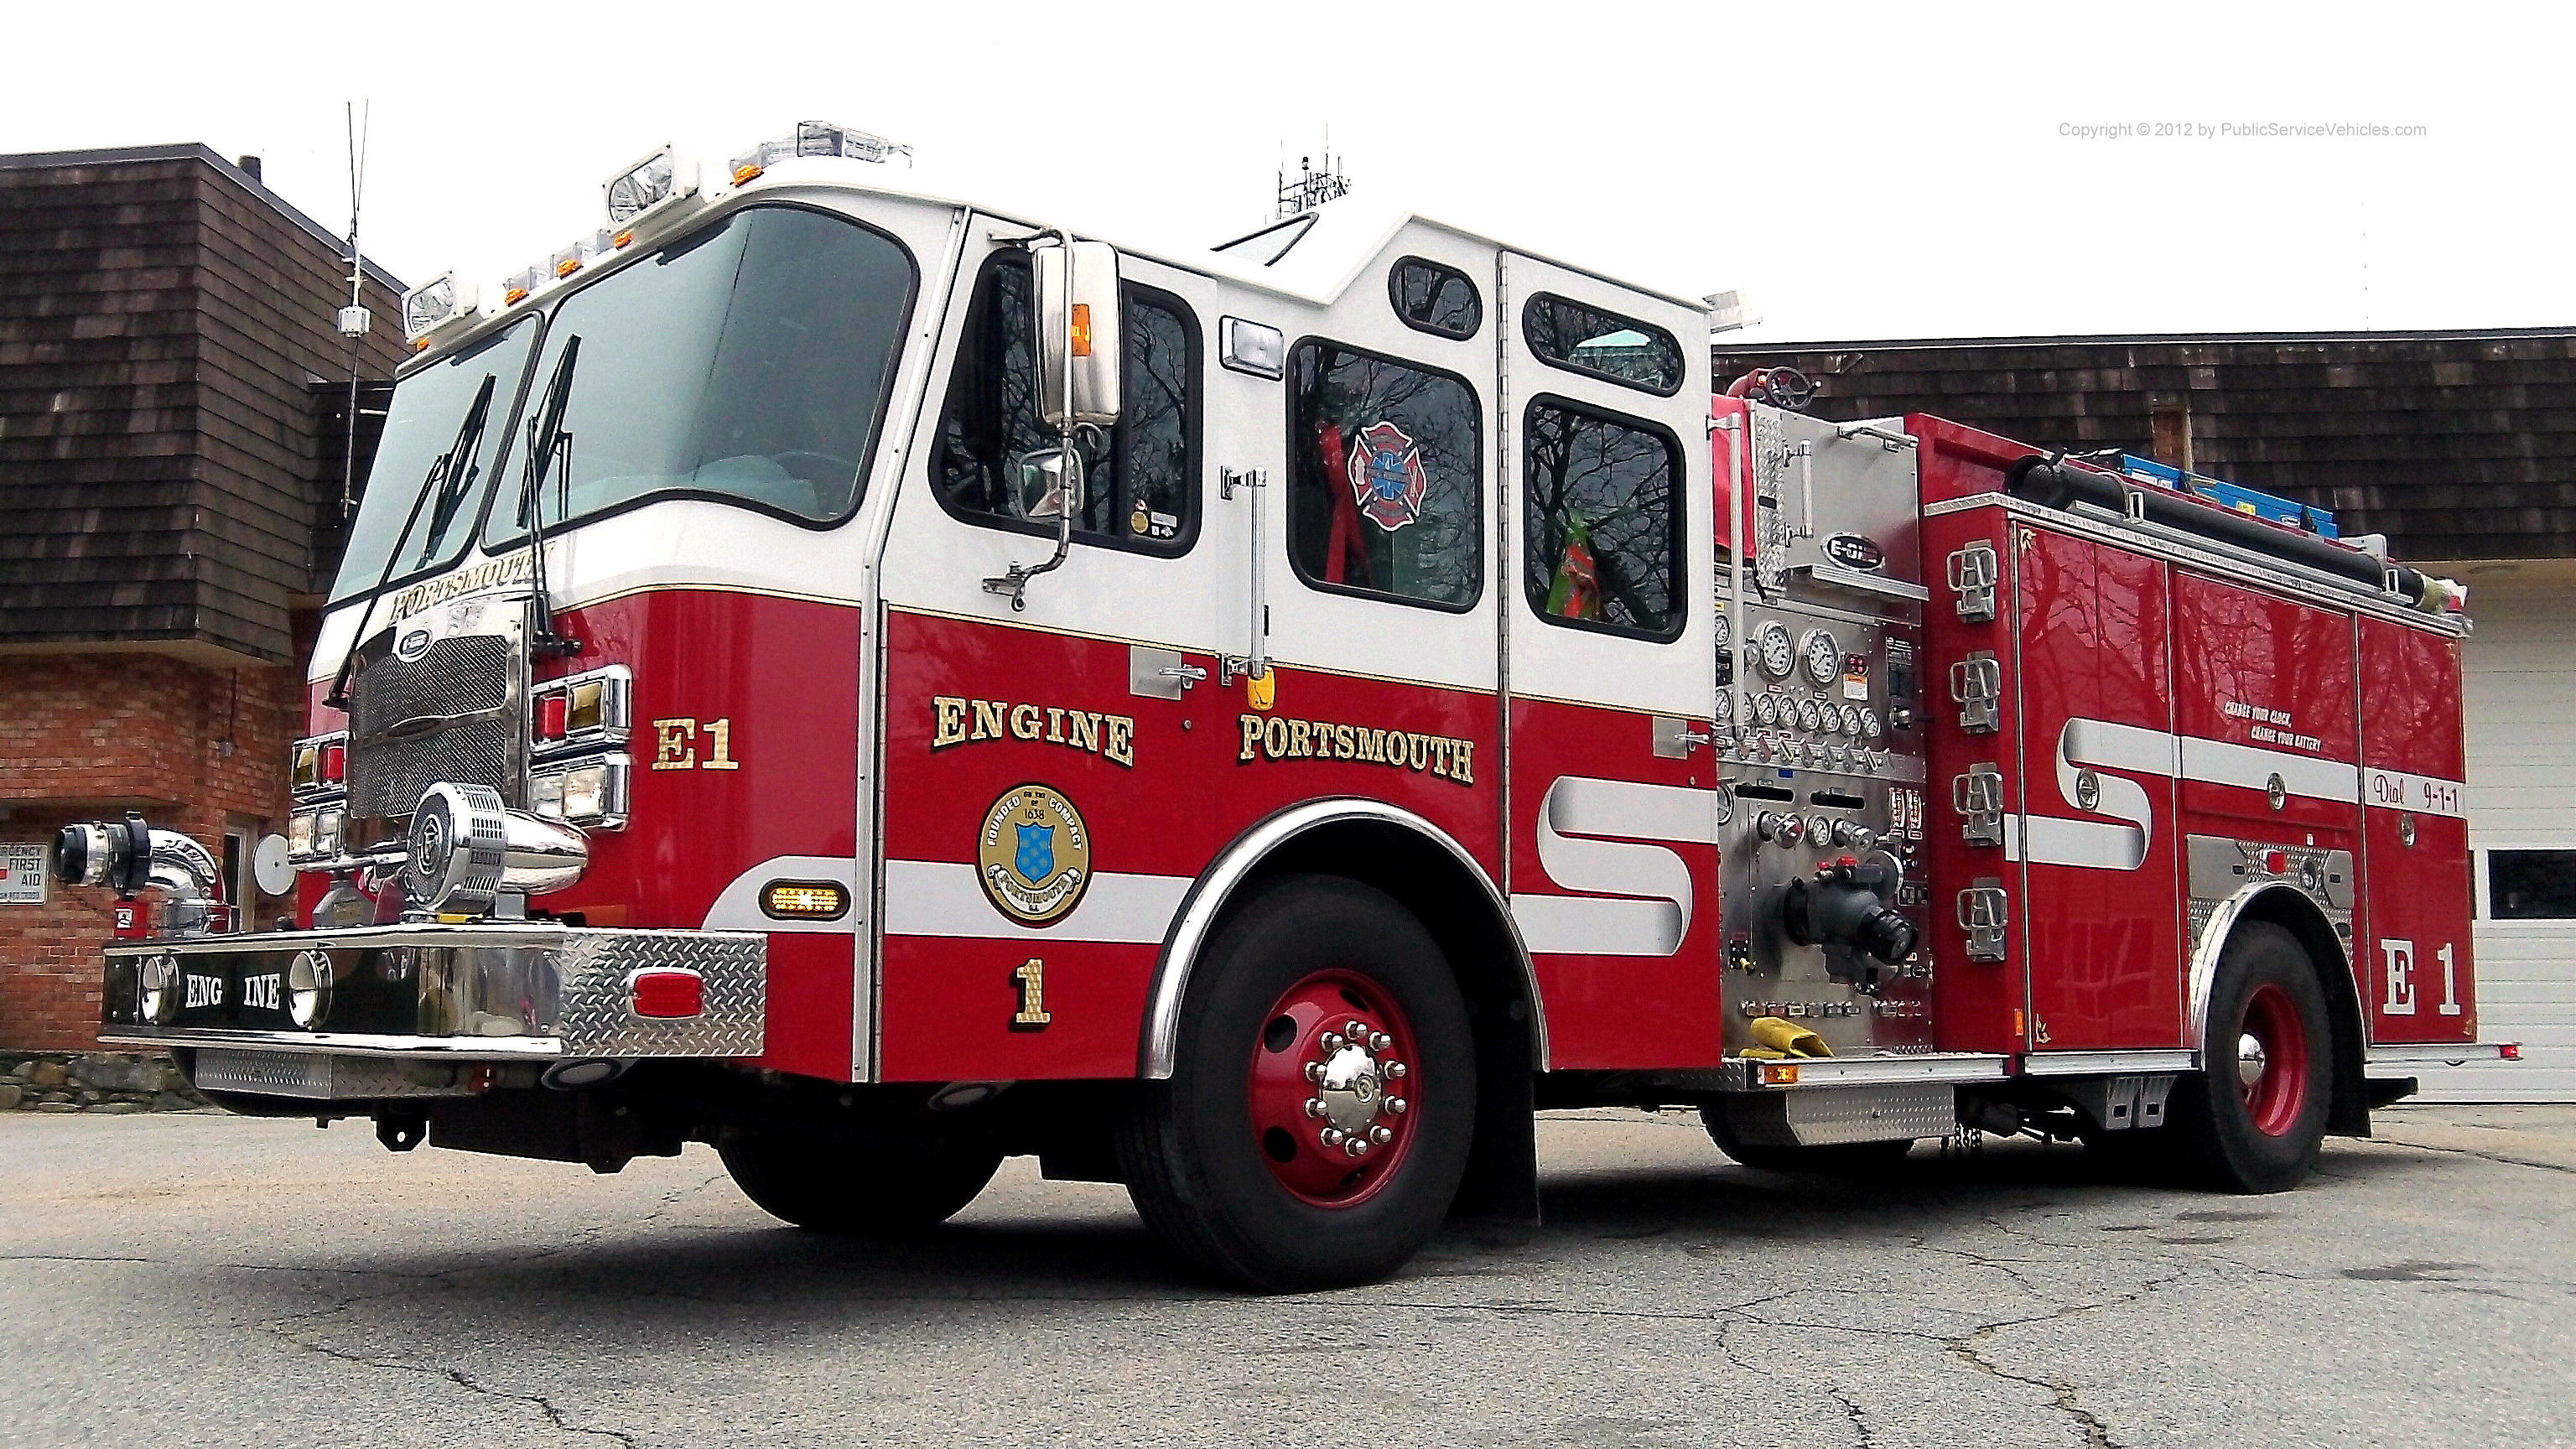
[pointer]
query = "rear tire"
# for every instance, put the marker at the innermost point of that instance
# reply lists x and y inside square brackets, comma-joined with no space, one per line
[2253,1119]
[831,1188]
[1840,1158]
[1232,1163]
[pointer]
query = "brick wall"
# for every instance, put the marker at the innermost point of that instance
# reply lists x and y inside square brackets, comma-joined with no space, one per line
[89,735]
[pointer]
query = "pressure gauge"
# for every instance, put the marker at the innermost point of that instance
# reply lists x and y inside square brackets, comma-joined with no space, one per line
[1766,709]
[1853,724]
[1823,656]
[1773,651]
[1869,727]
[1725,803]
[1725,705]
[1808,719]
[1831,718]
[1725,629]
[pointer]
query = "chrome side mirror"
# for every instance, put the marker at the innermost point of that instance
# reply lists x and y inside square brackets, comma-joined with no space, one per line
[1047,484]
[1078,343]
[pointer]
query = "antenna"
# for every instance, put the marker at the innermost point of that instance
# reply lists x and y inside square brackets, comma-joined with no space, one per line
[354,318]
[1310,188]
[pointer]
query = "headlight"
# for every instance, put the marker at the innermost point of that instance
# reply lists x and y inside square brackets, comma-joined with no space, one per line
[157,999]
[308,988]
[590,792]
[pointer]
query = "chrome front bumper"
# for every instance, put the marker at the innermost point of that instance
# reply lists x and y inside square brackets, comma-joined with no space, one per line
[488,992]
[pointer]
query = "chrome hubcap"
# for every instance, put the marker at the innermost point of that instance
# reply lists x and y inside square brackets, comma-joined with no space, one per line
[1351,1089]
[2250,1059]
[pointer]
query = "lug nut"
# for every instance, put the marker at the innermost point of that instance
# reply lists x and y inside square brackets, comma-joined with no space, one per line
[1330,1137]
[1380,1042]
[1356,1030]
[1314,1106]
[1314,1071]
[1356,1147]
[1398,1106]
[1331,1041]
[1381,1136]
[1395,1069]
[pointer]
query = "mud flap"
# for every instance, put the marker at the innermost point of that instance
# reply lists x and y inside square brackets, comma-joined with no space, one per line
[1501,1183]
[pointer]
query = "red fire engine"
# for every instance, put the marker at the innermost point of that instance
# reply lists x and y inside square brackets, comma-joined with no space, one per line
[878,685]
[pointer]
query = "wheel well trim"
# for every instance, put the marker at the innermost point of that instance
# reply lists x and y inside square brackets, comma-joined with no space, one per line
[2222,925]
[1215,886]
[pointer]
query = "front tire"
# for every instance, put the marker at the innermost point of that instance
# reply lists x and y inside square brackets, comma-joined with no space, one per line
[2252,1120]
[1316,1123]
[827,1187]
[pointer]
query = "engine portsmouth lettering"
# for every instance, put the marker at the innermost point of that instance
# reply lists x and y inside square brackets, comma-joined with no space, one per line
[1272,738]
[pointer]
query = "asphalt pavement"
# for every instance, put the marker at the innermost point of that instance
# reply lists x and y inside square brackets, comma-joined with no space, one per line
[212,1281]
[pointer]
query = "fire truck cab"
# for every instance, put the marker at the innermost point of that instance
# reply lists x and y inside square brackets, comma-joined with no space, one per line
[879,684]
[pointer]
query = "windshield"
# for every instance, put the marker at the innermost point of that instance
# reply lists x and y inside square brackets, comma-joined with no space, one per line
[444,437]
[751,364]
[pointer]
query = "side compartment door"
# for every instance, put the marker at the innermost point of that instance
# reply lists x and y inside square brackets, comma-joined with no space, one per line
[2413,963]
[1607,585]
[2268,747]
[1032,756]
[2096,831]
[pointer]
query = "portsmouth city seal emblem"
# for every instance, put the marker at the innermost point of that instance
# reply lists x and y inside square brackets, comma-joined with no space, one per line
[1033,855]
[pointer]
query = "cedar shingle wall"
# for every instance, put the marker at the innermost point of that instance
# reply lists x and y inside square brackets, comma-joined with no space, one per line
[2455,447]
[161,472]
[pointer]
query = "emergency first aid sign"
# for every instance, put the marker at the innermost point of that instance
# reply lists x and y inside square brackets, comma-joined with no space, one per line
[22,875]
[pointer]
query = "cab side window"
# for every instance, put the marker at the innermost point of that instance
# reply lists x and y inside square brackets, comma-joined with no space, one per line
[1385,484]
[1603,521]
[1141,491]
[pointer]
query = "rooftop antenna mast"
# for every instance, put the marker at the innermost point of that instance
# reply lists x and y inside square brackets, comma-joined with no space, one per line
[1311,188]
[354,318]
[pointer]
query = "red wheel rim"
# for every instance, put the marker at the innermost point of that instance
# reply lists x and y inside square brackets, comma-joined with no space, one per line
[2272,1061]
[1333,1066]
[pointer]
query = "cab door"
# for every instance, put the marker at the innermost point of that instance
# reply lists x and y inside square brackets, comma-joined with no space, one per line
[1607,591]
[1032,751]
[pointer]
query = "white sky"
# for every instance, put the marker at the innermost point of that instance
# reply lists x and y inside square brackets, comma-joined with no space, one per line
[1863,172]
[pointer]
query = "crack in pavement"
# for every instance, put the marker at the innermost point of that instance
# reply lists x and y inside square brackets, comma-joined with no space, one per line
[1860,1424]
[543,1405]
[2061,1396]
[1717,1315]
[2473,1152]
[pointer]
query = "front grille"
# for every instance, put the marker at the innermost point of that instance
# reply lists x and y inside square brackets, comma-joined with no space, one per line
[451,714]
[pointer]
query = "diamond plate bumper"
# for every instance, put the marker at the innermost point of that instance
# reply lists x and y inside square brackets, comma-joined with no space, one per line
[495,991]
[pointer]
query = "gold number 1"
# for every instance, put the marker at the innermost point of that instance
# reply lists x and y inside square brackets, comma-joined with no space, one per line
[1031,974]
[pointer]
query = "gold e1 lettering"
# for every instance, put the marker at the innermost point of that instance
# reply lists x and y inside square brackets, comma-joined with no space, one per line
[675,744]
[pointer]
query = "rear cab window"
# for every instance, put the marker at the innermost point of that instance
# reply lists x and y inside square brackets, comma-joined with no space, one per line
[1385,477]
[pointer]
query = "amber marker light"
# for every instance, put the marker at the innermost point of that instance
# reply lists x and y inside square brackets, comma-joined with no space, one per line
[1779,1074]
[805,900]
[1081,329]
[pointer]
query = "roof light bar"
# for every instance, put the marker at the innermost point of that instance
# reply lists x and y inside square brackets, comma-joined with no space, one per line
[523,286]
[815,138]
[573,258]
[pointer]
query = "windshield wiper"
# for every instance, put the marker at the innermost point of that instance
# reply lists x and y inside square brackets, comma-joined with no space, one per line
[546,437]
[468,443]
